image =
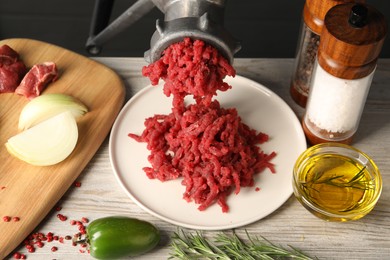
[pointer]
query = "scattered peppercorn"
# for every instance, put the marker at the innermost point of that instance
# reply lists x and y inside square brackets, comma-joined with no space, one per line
[18,255]
[39,244]
[62,217]
[38,240]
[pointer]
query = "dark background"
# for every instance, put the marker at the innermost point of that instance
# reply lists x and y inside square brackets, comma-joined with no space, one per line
[266,29]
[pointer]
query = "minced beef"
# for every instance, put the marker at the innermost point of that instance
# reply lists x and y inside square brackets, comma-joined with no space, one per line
[204,144]
[190,68]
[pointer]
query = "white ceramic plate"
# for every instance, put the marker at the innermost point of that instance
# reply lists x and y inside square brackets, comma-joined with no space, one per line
[259,108]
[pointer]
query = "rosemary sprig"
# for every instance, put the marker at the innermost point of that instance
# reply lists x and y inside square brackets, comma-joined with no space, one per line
[357,181]
[188,246]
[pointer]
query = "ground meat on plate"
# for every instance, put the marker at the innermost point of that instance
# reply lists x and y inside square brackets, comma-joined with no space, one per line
[208,146]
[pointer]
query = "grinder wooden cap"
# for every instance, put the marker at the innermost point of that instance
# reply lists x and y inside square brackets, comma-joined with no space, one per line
[351,40]
[314,12]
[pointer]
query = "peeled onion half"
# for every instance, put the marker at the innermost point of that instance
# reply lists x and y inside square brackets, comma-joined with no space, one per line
[48,105]
[46,143]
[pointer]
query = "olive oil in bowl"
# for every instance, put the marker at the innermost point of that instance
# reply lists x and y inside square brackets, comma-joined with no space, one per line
[336,182]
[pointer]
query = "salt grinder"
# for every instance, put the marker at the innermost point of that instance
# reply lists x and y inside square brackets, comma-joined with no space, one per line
[351,41]
[314,12]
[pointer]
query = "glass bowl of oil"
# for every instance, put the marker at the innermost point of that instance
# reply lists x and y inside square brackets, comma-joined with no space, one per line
[336,182]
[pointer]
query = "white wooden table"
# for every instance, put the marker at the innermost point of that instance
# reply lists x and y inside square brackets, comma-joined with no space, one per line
[369,238]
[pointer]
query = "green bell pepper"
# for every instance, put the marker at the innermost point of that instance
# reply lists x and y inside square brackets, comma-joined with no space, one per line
[115,237]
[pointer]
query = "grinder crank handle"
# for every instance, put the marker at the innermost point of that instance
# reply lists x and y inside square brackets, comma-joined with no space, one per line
[101,33]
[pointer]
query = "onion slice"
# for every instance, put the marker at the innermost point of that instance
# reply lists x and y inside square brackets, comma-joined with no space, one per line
[48,105]
[46,143]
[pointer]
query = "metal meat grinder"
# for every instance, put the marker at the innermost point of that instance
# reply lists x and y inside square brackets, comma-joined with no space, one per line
[197,19]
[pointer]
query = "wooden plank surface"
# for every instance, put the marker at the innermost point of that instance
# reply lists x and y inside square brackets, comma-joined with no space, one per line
[101,195]
[30,192]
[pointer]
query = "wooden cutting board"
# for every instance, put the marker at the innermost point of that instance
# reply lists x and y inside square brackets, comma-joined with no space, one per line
[30,192]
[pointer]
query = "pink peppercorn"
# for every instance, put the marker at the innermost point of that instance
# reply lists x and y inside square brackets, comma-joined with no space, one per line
[39,244]
[62,217]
